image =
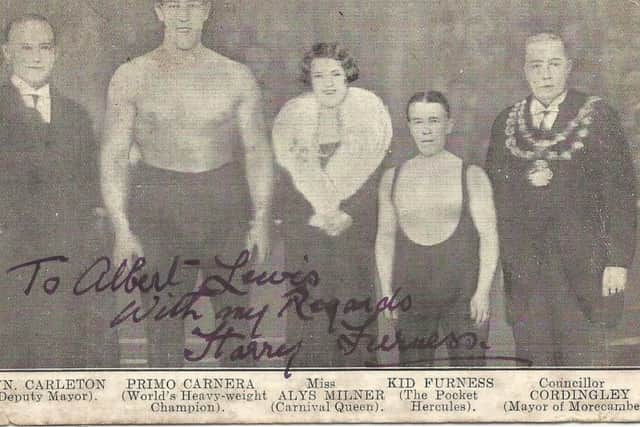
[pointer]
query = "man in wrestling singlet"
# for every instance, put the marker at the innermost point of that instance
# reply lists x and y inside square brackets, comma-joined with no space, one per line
[182,104]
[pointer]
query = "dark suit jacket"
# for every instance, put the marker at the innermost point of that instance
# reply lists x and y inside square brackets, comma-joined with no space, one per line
[586,216]
[48,172]
[48,192]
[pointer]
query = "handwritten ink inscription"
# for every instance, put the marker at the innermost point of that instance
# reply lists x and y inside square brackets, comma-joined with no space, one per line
[236,279]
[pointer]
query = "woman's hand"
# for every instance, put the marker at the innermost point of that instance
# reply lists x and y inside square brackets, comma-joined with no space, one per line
[334,224]
[338,224]
[480,307]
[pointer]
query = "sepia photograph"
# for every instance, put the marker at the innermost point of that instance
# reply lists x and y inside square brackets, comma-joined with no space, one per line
[320,193]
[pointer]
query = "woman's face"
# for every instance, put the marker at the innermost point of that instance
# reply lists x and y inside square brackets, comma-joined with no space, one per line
[429,125]
[329,81]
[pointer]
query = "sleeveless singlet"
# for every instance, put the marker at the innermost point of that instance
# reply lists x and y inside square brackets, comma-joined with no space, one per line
[437,276]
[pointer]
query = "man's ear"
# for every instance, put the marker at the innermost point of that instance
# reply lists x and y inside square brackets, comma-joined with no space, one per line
[207,9]
[450,124]
[56,52]
[569,66]
[6,53]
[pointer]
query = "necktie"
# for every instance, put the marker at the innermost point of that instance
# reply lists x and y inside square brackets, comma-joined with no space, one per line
[544,125]
[36,98]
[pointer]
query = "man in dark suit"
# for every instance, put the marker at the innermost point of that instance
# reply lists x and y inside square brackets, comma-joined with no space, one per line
[49,194]
[565,198]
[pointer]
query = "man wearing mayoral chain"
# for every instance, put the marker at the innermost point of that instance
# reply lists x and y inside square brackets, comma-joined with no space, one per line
[565,199]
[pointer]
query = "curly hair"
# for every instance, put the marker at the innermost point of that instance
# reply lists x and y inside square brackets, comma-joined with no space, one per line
[333,51]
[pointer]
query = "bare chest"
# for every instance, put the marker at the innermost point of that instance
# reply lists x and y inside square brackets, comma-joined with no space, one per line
[190,98]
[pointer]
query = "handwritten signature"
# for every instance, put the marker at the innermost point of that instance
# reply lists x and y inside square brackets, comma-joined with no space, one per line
[236,278]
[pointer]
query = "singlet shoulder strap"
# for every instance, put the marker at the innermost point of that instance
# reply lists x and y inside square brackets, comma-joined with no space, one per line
[396,173]
[393,181]
[465,188]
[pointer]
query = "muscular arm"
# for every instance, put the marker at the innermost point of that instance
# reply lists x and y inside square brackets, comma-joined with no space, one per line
[258,154]
[483,215]
[114,156]
[386,235]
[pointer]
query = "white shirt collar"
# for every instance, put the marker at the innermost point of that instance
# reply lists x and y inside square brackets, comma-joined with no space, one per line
[26,90]
[538,107]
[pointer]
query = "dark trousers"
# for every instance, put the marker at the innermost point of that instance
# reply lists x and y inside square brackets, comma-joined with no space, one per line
[550,327]
[449,327]
[54,329]
[194,216]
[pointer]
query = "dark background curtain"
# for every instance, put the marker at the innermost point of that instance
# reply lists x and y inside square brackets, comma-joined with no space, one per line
[470,49]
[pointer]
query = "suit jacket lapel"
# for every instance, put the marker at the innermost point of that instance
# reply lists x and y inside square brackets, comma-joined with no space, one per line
[16,112]
[567,111]
[536,132]
[26,127]
[56,116]
[527,113]
[55,106]
[16,117]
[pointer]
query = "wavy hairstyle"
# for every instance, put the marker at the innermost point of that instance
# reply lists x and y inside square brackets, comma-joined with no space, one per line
[333,51]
